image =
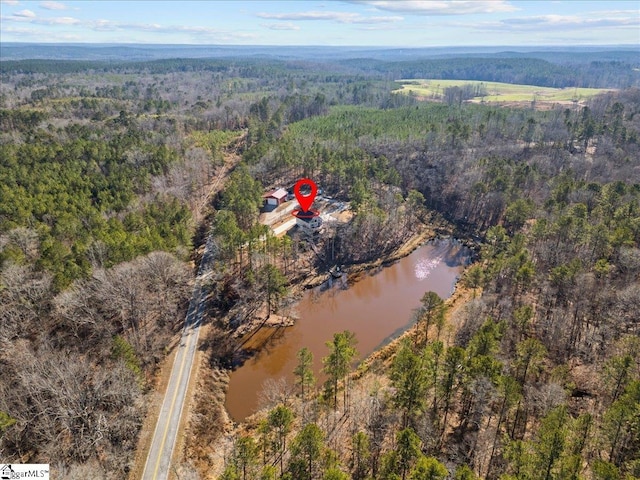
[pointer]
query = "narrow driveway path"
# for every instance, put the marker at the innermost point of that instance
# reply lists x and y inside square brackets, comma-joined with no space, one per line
[158,462]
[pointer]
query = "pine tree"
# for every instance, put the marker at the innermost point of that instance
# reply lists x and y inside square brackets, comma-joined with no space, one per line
[432,312]
[529,356]
[274,285]
[269,472]
[509,390]
[550,443]
[360,455]
[409,378]
[605,470]
[335,473]
[622,425]
[474,278]
[246,451]
[429,468]
[433,358]
[336,365]
[306,450]
[408,449]
[453,370]
[518,454]
[463,472]
[577,438]
[304,372]
[280,419]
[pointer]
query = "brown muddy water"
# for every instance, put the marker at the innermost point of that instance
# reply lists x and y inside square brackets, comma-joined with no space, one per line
[377,308]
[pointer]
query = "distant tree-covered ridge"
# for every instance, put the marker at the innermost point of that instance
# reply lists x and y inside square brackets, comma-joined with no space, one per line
[528,71]
[560,71]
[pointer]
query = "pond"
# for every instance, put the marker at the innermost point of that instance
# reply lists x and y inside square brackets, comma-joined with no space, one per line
[376,308]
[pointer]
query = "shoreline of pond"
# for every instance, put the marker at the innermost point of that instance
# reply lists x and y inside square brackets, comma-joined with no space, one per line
[437,228]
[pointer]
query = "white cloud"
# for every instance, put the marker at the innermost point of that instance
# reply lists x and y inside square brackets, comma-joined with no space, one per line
[440,7]
[37,33]
[59,21]
[24,14]
[373,20]
[20,31]
[281,26]
[340,17]
[9,2]
[198,32]
[103,26]
[53,6]
[27,16]
[383,27]
[208,34]
[586,21]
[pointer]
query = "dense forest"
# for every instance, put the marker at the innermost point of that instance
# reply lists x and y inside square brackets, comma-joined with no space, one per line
[554,70]
[111,177]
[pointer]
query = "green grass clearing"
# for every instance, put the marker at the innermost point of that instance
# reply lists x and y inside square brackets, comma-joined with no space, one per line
[496,91]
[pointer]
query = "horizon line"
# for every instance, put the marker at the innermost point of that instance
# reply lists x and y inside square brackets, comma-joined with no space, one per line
[629,45]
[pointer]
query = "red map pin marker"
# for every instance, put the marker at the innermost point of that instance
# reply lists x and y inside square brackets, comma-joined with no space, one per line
[305,201]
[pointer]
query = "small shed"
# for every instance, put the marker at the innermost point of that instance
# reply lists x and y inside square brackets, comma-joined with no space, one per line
[275,197]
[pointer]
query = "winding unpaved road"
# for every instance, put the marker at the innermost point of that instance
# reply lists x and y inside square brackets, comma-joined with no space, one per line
[158,462]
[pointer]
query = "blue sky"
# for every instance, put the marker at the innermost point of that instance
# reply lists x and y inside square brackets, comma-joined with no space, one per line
[356,22]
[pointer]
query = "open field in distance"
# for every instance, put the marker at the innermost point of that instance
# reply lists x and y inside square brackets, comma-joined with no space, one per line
[433,89]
